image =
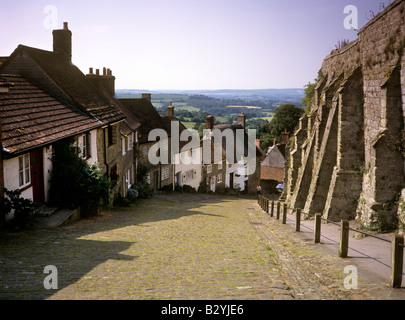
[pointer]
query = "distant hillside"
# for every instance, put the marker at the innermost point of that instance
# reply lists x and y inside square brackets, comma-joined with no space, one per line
[192,106]
[245,94]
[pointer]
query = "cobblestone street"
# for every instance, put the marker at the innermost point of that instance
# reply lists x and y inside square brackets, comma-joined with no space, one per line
[174,246]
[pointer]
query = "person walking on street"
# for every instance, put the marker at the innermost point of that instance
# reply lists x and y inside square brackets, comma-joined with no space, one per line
[259,190]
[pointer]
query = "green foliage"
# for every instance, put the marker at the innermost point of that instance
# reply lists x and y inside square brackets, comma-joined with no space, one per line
[309,98]
[23,209]
[142,171]
[74,182]
[309,91]
[285,117]
[144,191]
[202,187]
[141,188]
[256,123]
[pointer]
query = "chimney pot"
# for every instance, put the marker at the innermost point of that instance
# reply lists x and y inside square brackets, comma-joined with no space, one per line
[242,119]
[91,70]
[147,96]
[170,110]
[104,71]
[285,137]
[62,42]
[97,71]
[209,122]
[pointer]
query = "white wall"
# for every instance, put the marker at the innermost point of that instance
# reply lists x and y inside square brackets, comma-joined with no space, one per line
[11,180]
[93,145]
[11,168]
[238,178]
[185,163]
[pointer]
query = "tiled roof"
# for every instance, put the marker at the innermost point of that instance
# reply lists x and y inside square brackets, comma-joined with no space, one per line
[245,141]
[131,123]
[275,157]
[146,114]
[61,79]
[3,59]
[31,118]
[167,121]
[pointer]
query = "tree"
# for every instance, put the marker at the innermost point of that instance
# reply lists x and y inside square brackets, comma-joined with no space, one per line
[285,117]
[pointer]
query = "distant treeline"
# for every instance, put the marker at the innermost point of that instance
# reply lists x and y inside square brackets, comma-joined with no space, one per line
[218,107]
[200,117]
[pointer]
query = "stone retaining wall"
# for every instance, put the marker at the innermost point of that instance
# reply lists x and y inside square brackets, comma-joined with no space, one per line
[351,163]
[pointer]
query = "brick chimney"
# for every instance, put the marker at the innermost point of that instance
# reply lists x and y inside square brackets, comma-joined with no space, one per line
[285,137]
[242,119]
[108,81]
[209,122]
[105,81]
[62,42]
[147,96]
[170,110]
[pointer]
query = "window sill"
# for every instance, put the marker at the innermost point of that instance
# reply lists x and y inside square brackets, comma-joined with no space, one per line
[24,188]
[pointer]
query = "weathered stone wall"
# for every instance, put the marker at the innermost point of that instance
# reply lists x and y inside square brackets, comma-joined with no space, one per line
[352,163]
[110,156]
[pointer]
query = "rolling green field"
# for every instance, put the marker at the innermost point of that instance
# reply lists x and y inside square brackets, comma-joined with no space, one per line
[191,110]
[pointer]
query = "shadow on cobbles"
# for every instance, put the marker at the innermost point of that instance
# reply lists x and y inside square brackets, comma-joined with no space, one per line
[23,261]
[24,255]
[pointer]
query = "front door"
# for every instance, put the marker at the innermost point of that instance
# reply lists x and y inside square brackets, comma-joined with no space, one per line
[231,180]
[37,176]
[156,180]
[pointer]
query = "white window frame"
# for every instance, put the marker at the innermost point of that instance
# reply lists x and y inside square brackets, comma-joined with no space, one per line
[165,173]
[24,170]
[130,141]
[145,150]
[127,178]
[83,143]
[84,146]
[188,176]
[219,178]
[123,143]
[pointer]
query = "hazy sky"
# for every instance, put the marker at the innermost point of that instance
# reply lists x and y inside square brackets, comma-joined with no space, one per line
[189,44]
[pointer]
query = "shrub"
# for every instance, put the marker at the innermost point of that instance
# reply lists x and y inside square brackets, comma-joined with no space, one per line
[74,183]
[144,191]
[23,209]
